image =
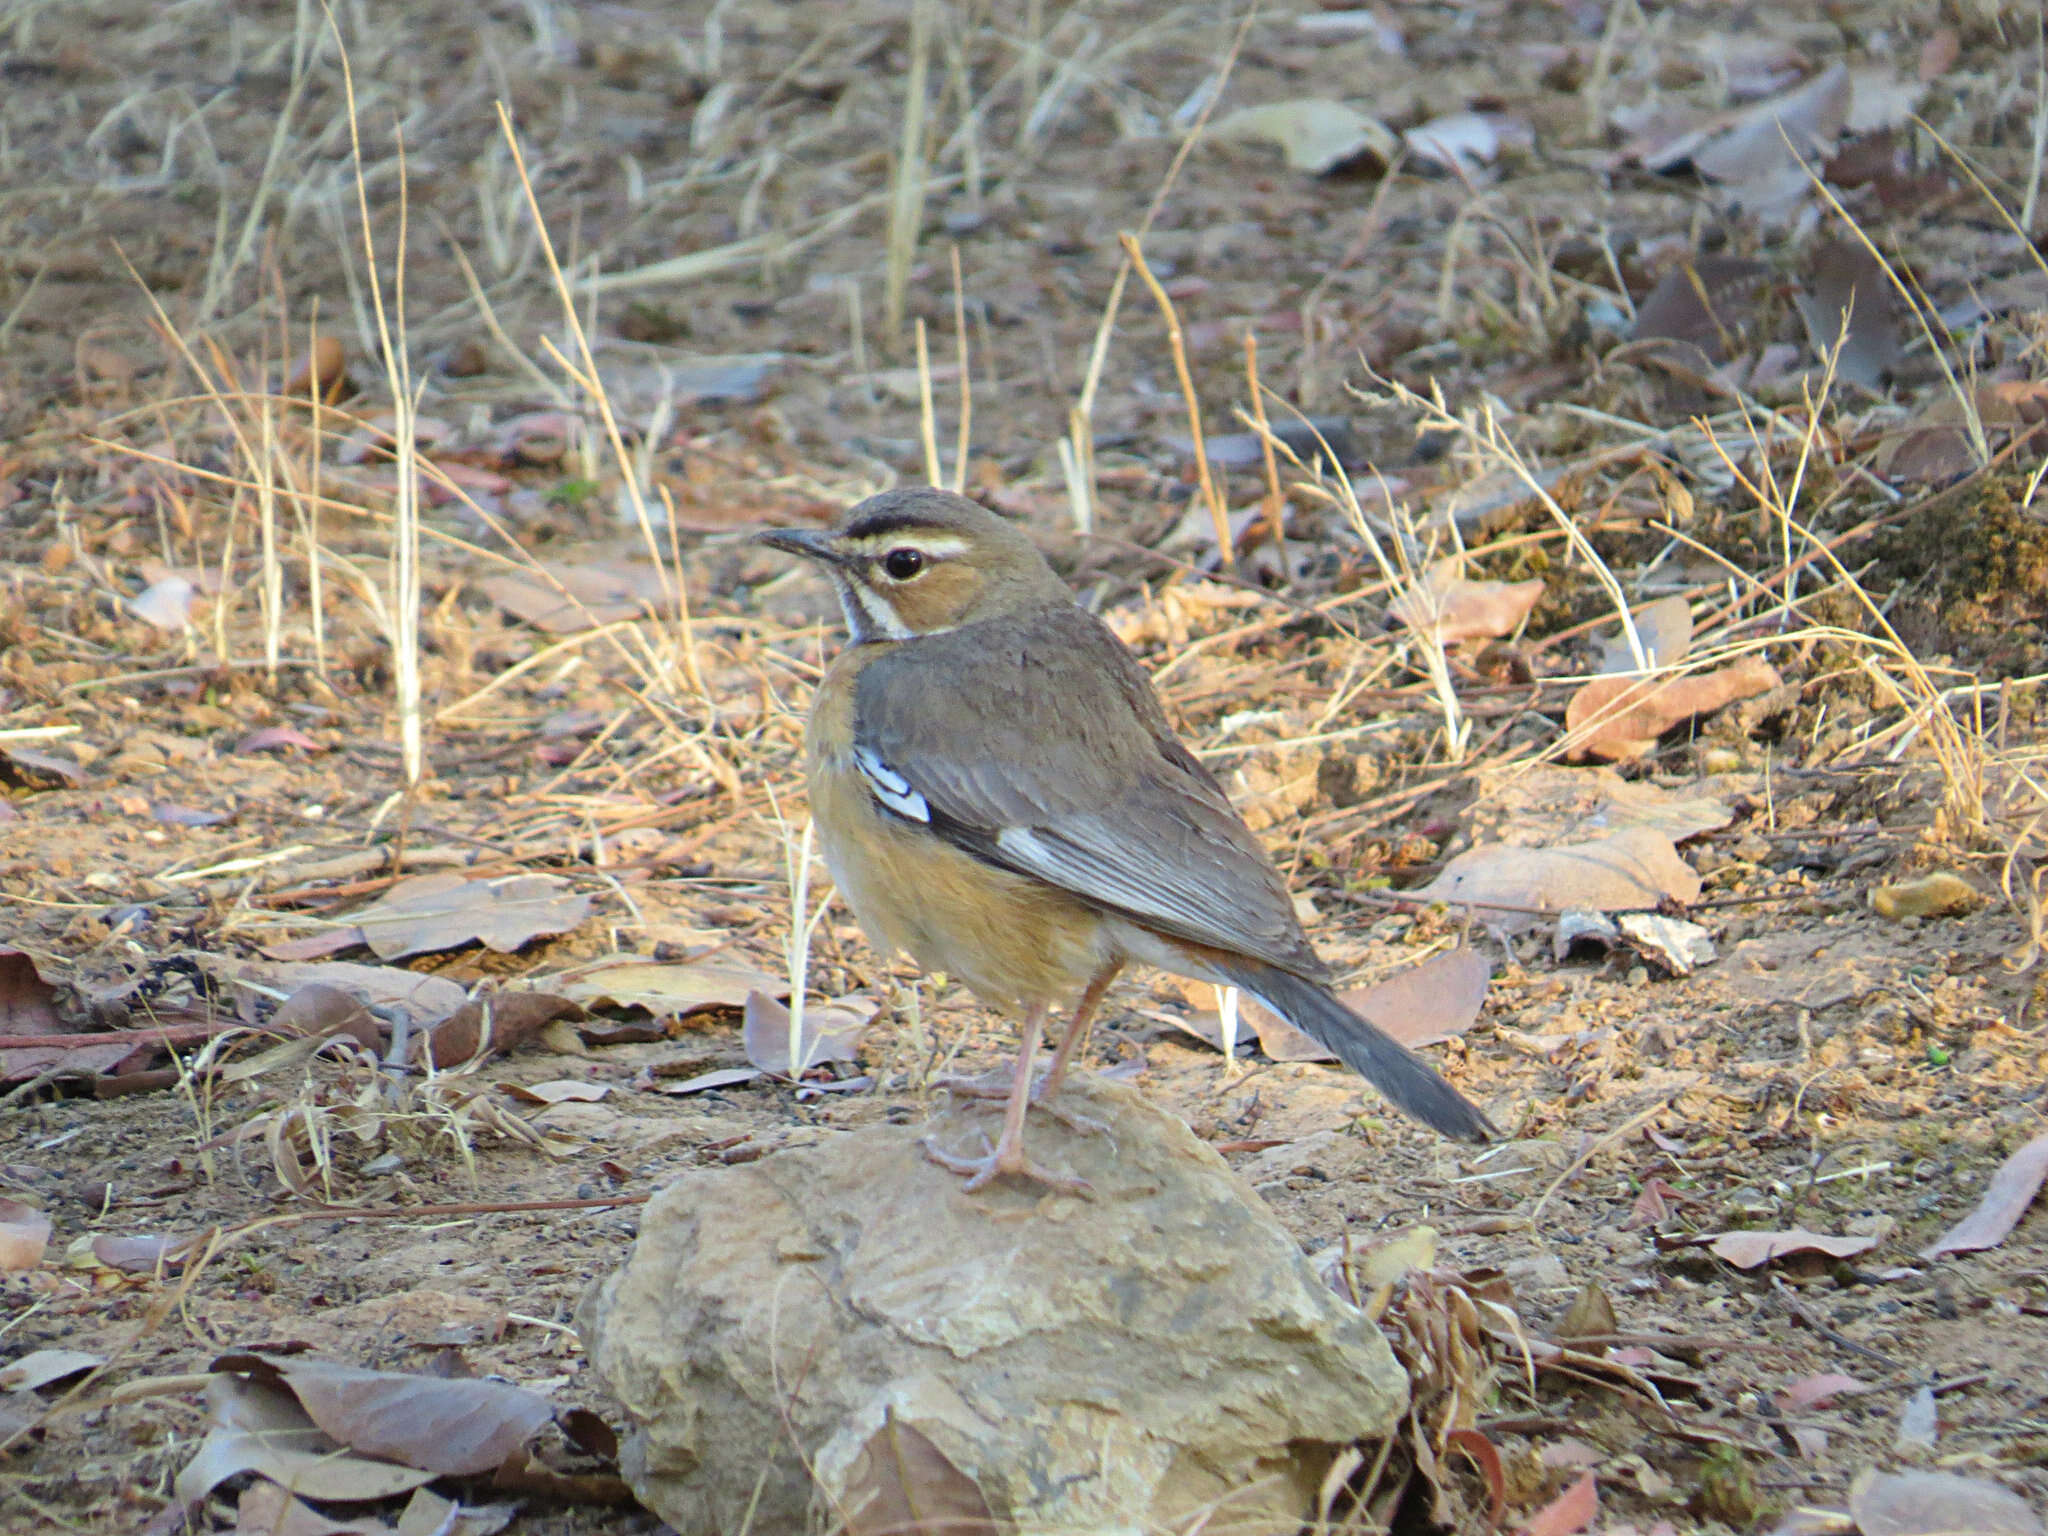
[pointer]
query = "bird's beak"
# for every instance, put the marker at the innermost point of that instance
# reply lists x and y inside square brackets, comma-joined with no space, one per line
[811,543]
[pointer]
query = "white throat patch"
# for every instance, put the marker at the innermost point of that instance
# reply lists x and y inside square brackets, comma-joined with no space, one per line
[868,617]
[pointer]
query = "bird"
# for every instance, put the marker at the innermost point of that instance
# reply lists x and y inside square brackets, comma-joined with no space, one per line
[997,792]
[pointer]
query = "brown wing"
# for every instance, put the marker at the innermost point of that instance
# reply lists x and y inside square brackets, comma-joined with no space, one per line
[1056,761]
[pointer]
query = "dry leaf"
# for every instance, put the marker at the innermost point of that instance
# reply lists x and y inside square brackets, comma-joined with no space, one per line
[900,1484]
[1709,303]
[723,1077]
[265,1509]
[41,769]
[1816,1391]
[1938,1504]
[1620,718]
[1677,945]
[28,1004]
[1748,1250]
[1546,805]
[24,1234]
[831,1033]
[422,999]
[321,1010]
[1436,1000]
[1653,1206]
[578,597]
[561,1090]
[1753,65]
[1881,98]
[2006,1198]
[258,1427]
[141,1254]
[1636,867]
[1427,1003]
[1940,894]
[165,604]
[1315,136]
[1366,1269]
[1569,1454]
[1663,629]
[1758,159]
[1591,1315]
[1485,1455]
[1448,608]
[1919,1422]
[1571,1511]
[1467,142]
[666,990]
[502,1021]
[45,1367]
[450,1427]
[426,1513]
[1810,1439]
[1845,279]
[1318,438]
[326,368]
[22,1063]
[277,738]
[1933,446]
[445,910]
[1938,53]
[1936,444]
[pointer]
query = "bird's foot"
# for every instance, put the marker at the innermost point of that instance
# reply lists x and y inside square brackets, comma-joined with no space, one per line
[1003,1162]
[997,1085]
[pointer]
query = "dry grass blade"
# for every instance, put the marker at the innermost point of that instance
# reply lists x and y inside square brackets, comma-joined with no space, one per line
[1077,453]
[402,605]
[586,376]
[1212,498]
[906,195]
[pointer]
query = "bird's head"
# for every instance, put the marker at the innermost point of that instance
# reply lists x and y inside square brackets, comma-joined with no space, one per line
[918,562]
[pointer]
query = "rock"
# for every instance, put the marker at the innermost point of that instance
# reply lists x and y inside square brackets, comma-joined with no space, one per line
[1110,1364]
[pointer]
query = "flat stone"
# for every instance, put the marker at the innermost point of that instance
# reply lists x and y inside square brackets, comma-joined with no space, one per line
[1109,1364]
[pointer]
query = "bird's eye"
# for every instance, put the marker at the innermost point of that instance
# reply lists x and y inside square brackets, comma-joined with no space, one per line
[903,564]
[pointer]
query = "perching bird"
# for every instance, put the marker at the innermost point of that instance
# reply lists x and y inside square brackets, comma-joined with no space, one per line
[997,791]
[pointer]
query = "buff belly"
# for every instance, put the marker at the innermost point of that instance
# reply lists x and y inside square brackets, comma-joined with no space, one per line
[1013,940]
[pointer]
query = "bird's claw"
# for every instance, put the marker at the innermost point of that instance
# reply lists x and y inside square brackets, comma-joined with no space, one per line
[1002,1162]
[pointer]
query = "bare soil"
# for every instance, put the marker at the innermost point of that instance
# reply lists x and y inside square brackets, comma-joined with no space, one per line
[1832,1070]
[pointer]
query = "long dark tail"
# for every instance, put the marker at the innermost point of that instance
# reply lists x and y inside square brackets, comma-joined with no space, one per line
[1410,1083]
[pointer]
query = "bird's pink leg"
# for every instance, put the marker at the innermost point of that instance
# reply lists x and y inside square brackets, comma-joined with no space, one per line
[995,1086]
[1008,1157]
[1077,1029]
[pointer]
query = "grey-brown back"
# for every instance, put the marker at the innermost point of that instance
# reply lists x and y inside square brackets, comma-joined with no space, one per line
[1037,743]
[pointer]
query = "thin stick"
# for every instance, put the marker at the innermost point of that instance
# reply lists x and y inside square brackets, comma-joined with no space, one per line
[966,389]
[585,374]
[272,583]
[1078,459]
[1219,516]
[403,615]
[927,416]
[862,368]
[1274,501]
[1632,1123]
[310,505]
[1034,53]
[147,1034]
[906,199]
[2032,201]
